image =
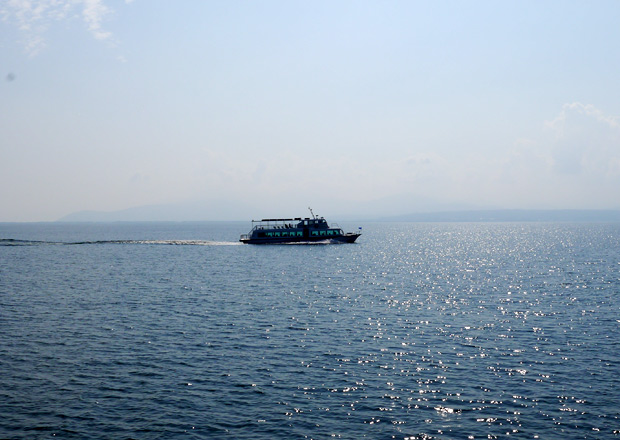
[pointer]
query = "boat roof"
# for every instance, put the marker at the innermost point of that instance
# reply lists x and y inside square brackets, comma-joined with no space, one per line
[277,219]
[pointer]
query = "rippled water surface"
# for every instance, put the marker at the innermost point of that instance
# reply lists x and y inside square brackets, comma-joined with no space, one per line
[429,331]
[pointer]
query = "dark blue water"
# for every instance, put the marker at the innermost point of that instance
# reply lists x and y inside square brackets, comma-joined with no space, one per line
[418,331]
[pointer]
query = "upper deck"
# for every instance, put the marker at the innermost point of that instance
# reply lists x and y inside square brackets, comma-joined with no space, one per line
[290,223]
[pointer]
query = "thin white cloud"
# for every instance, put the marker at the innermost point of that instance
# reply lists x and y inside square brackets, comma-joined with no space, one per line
[94,12]
[33,18]
[559,123]
[581,140]
[587,141]
[574,162]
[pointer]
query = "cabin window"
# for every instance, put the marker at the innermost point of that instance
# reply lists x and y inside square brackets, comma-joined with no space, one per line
[314,233]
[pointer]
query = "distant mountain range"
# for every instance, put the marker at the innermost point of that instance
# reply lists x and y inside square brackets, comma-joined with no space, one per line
[512,215]
[230,212]
[176,212]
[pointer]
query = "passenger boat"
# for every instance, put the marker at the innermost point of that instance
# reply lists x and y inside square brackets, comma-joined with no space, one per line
[296,230]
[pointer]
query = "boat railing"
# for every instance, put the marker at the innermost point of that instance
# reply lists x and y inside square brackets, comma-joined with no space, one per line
[281,223]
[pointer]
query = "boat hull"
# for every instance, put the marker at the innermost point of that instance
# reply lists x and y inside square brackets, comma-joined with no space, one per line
[345,238]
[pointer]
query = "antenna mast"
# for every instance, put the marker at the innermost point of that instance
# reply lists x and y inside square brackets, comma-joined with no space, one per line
[313,216]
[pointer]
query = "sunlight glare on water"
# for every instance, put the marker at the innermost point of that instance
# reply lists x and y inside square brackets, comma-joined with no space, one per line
[416,331]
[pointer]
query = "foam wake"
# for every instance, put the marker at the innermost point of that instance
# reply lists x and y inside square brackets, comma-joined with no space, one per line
[14,242]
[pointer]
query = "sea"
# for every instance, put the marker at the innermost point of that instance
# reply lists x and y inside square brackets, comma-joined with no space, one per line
[416,331]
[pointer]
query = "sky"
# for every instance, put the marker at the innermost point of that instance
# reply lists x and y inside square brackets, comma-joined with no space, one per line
[274,106]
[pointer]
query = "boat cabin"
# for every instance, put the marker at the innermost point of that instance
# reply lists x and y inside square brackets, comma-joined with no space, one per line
[293,227]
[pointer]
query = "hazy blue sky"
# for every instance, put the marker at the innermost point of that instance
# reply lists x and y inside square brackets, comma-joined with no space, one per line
[107,105]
